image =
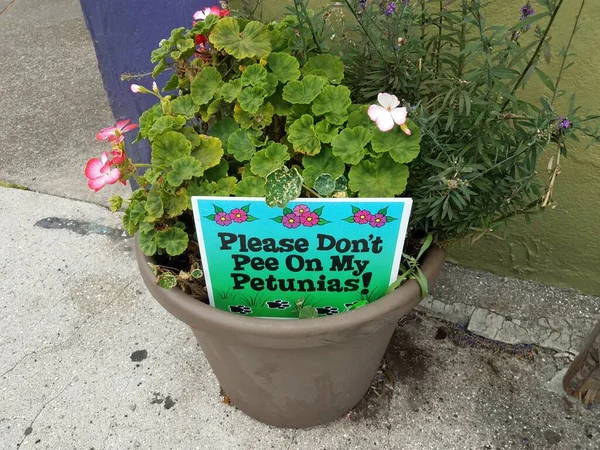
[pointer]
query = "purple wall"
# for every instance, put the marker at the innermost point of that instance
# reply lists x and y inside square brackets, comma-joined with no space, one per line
[124,34]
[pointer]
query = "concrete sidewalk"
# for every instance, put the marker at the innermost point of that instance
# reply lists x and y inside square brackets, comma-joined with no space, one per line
[89,360]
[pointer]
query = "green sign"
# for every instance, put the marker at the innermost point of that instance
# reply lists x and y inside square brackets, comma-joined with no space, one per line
[322,255]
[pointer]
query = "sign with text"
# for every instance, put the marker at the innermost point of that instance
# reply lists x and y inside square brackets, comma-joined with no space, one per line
[326,253]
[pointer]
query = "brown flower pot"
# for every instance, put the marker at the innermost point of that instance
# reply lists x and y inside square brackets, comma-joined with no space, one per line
[295,373]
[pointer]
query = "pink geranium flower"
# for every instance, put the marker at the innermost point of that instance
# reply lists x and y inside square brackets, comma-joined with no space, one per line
[115,134]
[301,209]
[363,216]
[291,221]
[377,220]
[222,219]
[100,172]
[238,215]
[118,156]
[309,219]
[387,113]
[204,13]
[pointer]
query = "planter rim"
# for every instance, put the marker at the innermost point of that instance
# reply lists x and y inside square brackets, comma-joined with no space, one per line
[183,306]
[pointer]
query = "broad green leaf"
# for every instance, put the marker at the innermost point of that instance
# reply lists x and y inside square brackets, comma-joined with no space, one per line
[251,99]
[154,204]
[258,120]
[176,204]
[166,123]
[167,280]
[282,108]
[324,162]
[205,85]
[269,159]
[254,75]
[308,312]
[253,42]
[303,91]
[380,177]
[172,84]
[208,152]
[207,112]
[185,106]
[325,184]
[297,112]
[402,148]
[134,214]
[174,240]
[303,137]
[283,186]
[272,84]
[350,144]
[333,103]
[168,147]
[223,128]
[326,131]
[242,144]
[226,186]
[152,175]
[285,67]
[331,65]
[147,119]
[229,91]
[148,243]
[250,187]
[184,169]
[191,135]
[202,187]
[204,26]
[217,172]
[359,117]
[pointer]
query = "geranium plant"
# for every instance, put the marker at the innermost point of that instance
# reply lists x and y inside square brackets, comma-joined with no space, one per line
[251,110]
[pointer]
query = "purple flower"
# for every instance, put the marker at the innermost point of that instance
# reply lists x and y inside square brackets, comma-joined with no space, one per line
[301,209]
[391,9]
[222,219]
[309,219]
[363,5]
[563,123]
[362,217]
[291,221]
[377,220]
[526,11]
[238,215]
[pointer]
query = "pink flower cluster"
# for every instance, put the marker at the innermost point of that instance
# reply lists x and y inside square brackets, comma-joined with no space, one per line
[202,39]
[236,215]
[102,171]
[301,215]
[364,217]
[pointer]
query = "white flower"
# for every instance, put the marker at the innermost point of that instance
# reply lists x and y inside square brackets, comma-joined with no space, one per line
[388,113]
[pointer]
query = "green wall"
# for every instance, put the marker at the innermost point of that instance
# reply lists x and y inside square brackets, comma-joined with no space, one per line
[562,245]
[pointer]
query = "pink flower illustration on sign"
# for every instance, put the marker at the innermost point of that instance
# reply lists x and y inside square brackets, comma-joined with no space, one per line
[236,215]
[301,215]
[364,217]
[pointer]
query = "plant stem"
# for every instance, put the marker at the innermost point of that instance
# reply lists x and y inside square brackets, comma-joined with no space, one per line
[369,37]
[308,22]
[439,41]
[534,56]
[462,41]
[312,191]
[566,52]
[142,165]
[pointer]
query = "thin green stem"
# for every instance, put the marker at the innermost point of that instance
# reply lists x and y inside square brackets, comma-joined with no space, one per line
[312,191]
[566,52]
[369,37]
[462,41]
[308,22]
[142,165]
[438,49]
[535,55]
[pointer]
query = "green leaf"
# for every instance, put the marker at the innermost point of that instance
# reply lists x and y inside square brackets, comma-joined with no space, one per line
[154,204]
[202,187]
[251,98]
[148,243]
[168,147]
[359,117]
[254,75]
[381,177]
[285,67]
[205,85]
[208,152]
[325,184]
[167,280]
[258,120]
[326,131]
[269,159]
[217,172]
[303,137]
[324,162]
[115,203]
[333,103]
[174,241]
[191,135]
[185,106]
[229,91]
[172,83]
[308,312]
[184,169]
[242,144]
[253,42]
[545,79]
[272,84]
[206,113]
[283,186]
[176,204]
[166,123]
[350,144]
[304,91]
[224,128]
[226,186]
[402,148]
[332,66]
[250,187]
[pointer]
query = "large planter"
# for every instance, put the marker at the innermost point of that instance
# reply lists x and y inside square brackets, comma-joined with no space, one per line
[295,373]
